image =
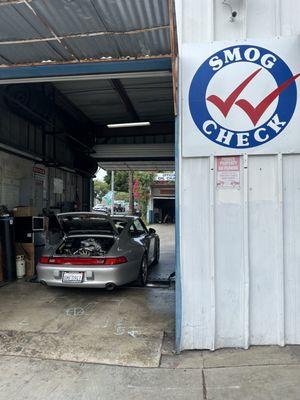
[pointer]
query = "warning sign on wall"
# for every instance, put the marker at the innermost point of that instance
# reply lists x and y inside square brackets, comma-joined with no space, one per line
[228,172]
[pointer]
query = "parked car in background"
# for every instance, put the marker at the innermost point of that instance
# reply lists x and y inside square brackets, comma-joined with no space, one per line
[99,251]
[101,208]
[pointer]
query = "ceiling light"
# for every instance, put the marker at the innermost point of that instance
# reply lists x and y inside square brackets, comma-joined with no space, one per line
[129,124]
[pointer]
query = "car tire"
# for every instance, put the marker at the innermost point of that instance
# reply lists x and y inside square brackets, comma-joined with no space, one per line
[157,253]
[143,271]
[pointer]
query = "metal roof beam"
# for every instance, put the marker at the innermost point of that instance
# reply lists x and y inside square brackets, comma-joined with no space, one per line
[87,70]
[136,159]
[74,109]
[8,2]
[79,35]
[119,88]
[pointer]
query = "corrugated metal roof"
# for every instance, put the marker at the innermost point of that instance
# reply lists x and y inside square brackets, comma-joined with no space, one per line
[17,21]
[28,53]
[137,165]
[144,151]
[152,98]
[68,30]
[82,16]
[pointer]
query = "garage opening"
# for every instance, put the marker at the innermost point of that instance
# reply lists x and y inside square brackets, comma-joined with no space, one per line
[62,105]
[124,192]
[164,211]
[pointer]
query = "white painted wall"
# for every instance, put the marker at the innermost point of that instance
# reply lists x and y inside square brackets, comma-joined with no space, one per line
[239,253]
[16,183]
[18,186]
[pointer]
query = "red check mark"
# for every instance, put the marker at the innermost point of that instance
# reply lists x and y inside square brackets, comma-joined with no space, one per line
[225,106]
[254,113]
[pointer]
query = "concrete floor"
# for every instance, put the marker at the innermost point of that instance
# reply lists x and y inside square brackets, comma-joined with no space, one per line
[166,265]
[260,373]
[63,343]
[125,327]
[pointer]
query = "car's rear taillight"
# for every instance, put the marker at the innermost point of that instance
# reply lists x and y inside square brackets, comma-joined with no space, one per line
[115,260]
[44,260]
[83,260]
[75,261]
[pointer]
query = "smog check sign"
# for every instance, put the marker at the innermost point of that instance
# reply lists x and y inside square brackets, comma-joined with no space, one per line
[243,96]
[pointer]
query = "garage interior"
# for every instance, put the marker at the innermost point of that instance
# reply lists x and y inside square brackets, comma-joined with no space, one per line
[164,210]
[63,80]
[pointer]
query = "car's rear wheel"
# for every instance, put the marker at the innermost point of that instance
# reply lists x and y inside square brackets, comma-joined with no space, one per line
[143,272]
[157,253]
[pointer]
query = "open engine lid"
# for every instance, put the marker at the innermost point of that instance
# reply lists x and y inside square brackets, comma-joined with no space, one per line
[86,222]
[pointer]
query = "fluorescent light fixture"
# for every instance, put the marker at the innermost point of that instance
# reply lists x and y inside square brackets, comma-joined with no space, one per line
[129,124]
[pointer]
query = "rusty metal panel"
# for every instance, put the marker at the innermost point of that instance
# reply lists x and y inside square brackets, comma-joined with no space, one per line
[82,16]
[17,21]
[60,30]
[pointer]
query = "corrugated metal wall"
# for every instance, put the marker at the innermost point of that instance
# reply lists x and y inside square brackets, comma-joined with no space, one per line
[242,249]
[239,250]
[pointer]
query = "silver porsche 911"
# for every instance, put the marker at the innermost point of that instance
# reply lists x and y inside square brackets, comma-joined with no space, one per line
[99,251]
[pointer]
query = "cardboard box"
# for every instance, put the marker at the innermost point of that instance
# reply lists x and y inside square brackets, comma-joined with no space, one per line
[24,211]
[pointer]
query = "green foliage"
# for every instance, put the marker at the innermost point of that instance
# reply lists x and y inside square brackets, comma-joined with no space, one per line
[121,196]
[121,180]
[100,189]
[145,180]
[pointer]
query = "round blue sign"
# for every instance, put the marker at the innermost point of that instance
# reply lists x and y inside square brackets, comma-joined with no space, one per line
[243,96]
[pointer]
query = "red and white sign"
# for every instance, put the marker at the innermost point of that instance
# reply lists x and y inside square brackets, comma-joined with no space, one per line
[228,172]
[39,172]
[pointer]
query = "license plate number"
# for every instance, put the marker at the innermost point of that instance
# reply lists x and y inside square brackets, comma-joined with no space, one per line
[72,277]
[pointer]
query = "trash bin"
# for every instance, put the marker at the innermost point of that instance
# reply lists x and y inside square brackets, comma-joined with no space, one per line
[8,248]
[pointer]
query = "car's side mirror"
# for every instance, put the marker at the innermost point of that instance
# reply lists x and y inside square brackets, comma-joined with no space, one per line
[152,231]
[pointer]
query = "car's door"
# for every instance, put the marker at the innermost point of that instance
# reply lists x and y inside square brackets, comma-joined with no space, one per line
[147,238]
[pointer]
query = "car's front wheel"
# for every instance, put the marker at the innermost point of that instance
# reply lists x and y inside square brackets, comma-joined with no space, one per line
[143,272]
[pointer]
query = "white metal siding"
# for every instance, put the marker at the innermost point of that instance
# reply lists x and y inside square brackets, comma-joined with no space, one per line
[291,231]
[197,267]
[240,249]
[265,265]
[231,299]
[208,20]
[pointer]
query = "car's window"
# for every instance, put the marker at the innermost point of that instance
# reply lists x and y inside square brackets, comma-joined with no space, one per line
[85,222]
[139,227]
[144,226]
[120,224]
[132,230]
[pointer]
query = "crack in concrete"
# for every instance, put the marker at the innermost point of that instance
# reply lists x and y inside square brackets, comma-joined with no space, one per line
[204,390]
[252,365]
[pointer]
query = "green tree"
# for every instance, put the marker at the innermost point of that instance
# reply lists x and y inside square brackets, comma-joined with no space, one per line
[121,181]
[145,180]
[100,189]
[123,196]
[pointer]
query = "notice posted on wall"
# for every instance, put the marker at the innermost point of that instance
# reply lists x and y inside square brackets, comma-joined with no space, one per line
[228,172]
[58,186]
